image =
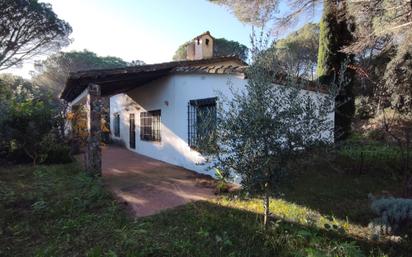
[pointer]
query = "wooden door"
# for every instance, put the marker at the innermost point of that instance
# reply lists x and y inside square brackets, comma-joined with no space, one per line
[132,131]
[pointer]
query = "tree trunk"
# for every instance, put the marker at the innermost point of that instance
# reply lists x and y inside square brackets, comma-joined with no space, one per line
[266,207]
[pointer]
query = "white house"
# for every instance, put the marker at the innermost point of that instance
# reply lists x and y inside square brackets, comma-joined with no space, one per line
[154,109]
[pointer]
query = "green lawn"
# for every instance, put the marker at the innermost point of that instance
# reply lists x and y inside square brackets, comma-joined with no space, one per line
[58,211]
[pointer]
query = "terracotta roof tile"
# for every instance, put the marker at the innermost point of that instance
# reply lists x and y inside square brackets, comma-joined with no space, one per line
[122,79]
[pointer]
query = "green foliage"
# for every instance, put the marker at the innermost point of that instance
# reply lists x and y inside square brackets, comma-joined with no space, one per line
[344,249]
[335,34]
[367,155]
[298,52]
[365,107]
[181,52]
[58,153]
[276,15]
[255,13]
[29,125]
[224,47]
[370,151]
[265,126]
[325,37]
[53,72]
[221,47]
[59,211]
[29,28]
[395,214]
[398,80]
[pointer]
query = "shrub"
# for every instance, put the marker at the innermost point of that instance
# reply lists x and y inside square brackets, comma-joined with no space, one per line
[58,153]
[376,134]
[364,108]
[18,156]
[366,155]
[395,214]
[29,125]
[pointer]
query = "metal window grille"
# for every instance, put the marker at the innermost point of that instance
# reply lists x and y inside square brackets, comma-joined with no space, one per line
[150,125]
[201,120]
[117,125]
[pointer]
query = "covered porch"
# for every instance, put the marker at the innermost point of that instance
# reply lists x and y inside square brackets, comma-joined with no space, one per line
[89,87]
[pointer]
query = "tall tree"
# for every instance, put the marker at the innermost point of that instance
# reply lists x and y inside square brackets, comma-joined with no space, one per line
[380,19]
[28,28]
[335,35]
[298,52]
[383,41]
[221,47]
[334,32]
[383,32]
[264,12]
[53,72]
[27,117]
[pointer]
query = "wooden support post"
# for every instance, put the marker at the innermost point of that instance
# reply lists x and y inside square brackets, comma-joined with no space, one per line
[93,152]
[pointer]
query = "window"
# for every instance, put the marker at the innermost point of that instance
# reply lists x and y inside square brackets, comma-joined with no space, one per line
[207,42]
[201,121]
[116,125]
[150,125]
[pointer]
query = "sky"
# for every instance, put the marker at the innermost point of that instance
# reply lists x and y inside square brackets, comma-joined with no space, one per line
[147,30]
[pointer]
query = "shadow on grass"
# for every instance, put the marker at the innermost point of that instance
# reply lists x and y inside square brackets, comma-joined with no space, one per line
[333,192]
[226,231]
[58,211]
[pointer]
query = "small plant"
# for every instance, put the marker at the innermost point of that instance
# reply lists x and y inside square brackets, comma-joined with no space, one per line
[39,206]
[332,224]
[395,214]
[221,186]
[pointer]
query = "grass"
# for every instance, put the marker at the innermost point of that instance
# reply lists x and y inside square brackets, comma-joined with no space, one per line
[360,154]
[56,210]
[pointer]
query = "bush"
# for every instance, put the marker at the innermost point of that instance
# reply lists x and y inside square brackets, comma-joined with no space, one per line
[363,156]
[58,153]
[376,134]
[18,156]
[364,108]
[395,214]
[28,126]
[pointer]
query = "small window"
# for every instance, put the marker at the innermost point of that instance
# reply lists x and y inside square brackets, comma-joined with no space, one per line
[207,41]
[116,125]
[201,121]
[150,125]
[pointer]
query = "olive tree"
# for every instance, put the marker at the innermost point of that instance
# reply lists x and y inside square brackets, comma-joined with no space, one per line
[266,125]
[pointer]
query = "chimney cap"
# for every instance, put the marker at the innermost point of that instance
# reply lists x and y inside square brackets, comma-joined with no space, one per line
[204,34]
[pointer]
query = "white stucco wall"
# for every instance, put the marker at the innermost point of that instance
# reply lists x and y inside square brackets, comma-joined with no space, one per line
[171,95]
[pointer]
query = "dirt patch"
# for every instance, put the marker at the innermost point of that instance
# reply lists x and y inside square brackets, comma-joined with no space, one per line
[147,186]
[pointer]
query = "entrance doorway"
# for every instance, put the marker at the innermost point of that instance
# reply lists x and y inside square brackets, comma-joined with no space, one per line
[132,131]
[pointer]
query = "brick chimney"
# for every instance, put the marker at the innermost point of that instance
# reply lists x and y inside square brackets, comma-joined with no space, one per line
[201,47]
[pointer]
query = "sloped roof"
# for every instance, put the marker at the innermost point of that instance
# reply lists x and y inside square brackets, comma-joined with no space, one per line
[203,34]
[114,81]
